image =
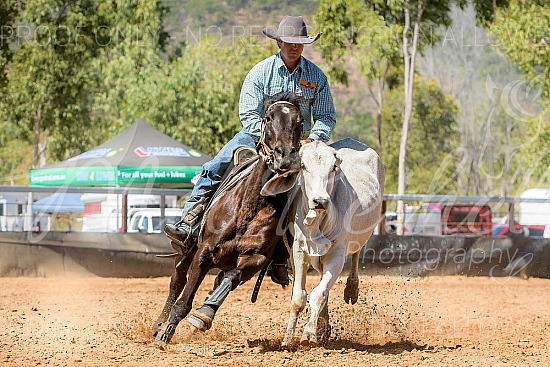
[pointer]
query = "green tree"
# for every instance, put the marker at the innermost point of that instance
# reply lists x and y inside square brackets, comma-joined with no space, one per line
[11,151]
[210,77]
[132,40]
[433,140]
[416,19]
[468,68]
[8,12]
[351,29]
[521,32]
[47,79]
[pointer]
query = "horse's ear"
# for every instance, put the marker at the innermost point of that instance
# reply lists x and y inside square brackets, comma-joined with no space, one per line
[280,183]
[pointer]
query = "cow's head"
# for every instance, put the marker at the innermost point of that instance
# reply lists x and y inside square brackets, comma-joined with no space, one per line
[319,166]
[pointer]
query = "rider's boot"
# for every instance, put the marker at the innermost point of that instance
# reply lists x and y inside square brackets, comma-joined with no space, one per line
[279,274]
[185,232]
[279,270]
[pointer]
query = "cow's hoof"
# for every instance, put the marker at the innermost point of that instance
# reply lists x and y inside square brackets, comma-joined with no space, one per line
[202,318]
[324,335]
[308,341]
[351,292]
[286,343]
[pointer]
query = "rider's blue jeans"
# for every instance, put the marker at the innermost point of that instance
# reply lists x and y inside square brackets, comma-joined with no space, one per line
[213,170]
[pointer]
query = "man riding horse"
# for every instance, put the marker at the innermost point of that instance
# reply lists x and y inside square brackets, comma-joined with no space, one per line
[287,71]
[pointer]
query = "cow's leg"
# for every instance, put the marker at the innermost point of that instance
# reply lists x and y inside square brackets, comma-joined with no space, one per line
[183,306]
[351,292]
[177,283]
[299,294]
[332,265]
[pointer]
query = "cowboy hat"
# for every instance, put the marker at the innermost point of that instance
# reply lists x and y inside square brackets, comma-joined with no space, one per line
[291,30]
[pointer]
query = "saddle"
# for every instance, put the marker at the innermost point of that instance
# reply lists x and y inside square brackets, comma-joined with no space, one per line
[244,161]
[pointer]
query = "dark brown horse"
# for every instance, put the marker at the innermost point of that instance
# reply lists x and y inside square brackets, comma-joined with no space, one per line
[239,230]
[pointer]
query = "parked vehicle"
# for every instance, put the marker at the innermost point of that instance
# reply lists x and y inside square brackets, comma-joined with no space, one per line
[535,213]
[149,220]
[391,222]
[530,230]
[103,212]
[12,209]
[448,219]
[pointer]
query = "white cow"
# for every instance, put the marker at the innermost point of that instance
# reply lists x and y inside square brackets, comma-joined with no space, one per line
[339,207]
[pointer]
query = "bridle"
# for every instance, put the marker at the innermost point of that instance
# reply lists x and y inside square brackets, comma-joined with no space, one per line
[265,151]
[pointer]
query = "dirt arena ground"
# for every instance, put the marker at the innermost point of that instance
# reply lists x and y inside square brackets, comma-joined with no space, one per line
[398,321]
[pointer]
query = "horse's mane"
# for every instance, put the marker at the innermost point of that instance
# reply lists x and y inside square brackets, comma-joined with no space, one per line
[291,97]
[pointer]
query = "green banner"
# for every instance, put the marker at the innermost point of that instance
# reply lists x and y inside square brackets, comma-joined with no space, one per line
[113,176]
[158,175]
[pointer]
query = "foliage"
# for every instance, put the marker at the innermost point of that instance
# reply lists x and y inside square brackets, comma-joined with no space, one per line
[66,93]
[132,39]
[188,21]
[433,140]
[7,15]
[340,22]
[195,98]
[483,83]
[48,74]
[355,122]
[16,160]
[522,35]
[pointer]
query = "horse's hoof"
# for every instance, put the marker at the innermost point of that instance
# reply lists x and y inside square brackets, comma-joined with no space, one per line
[166,332]
[156,328]
[160,345]
[202,318]
[197,323]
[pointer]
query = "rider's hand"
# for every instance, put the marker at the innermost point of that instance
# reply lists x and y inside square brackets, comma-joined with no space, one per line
[305,141]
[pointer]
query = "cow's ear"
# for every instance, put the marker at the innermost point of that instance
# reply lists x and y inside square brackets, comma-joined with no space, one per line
[280,183]
[338,159]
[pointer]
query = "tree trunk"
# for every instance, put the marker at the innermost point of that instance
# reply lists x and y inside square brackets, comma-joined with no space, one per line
[37,116]
[409,57]
[379,100]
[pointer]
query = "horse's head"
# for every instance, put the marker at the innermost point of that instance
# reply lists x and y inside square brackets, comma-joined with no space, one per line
[281,132]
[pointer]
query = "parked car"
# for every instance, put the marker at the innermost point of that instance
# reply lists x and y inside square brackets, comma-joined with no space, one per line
[149,221]
[529,230]
[391,222]
[448,220]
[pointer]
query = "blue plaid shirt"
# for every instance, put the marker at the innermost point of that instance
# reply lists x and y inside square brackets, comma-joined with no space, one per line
[270,77]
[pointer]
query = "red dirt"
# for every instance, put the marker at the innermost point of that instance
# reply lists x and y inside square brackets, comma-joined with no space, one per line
[432,321]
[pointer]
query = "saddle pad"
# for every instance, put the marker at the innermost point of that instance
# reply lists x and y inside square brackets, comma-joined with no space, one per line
[349,143]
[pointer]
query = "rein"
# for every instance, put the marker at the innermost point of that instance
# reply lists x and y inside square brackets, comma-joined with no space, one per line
[265,151]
